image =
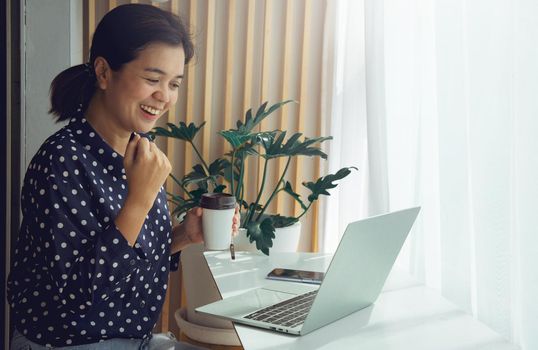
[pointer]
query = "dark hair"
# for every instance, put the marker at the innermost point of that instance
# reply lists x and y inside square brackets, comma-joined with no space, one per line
[121,34]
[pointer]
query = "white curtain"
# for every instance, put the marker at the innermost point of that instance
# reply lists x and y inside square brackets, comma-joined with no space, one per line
[436,103]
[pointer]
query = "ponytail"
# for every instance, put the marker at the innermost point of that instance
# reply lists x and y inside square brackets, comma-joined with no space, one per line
[71,91]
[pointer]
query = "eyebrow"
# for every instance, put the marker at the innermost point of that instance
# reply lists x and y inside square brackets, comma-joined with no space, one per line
[158,71]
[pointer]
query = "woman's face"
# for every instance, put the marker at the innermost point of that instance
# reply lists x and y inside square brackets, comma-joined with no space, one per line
[144,89]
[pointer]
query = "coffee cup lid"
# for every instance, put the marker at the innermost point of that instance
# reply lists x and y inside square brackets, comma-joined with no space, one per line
[217,201]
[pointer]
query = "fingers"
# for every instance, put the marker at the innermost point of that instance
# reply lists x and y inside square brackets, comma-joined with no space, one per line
[143,147]
[236,221]
[196,211]
[130,151]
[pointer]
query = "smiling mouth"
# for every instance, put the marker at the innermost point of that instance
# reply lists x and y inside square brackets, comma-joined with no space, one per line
[151,110]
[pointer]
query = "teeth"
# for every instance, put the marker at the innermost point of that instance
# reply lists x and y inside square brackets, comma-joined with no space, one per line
[151,110]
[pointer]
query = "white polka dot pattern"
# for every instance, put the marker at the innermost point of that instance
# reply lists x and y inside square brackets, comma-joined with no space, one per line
[74,278]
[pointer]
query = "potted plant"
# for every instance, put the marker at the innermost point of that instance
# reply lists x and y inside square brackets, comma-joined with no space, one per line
[226,174]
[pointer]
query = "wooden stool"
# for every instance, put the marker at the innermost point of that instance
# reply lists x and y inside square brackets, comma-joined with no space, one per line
[184,338]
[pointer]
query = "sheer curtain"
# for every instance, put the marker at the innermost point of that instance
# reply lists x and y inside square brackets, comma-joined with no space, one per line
[435,102]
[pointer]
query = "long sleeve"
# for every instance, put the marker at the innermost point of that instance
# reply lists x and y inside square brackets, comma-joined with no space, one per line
[97,261]
[74,278]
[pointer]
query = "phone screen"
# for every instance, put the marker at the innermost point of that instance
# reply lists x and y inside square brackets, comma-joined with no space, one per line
[313,277]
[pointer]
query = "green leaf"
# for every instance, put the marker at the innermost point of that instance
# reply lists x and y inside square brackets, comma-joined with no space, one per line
[287,188]
[158,131]
[197,176]
[182,132]
[185,206]
[197,195]
[324,183]
[235,138]
[283,221]
[250,123]
[262,232]
[180,204]
[217,167]
[219,189]
[261,109]
[228,170]
[243,204]
[293,147]
[243,134]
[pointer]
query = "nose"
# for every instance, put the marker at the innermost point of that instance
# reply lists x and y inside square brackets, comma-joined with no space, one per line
[162,94]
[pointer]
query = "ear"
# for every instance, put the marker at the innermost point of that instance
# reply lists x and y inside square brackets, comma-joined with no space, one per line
[103,73]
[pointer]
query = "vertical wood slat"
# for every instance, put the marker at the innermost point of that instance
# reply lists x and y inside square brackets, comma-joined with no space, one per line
[165,314]
[228,85]
[112,4]
[267,38]
[314,246]
[191,78]
[170,152]
[303,101]
[208,81]
[89,27]
[285,93]
[91,18]
[247,83]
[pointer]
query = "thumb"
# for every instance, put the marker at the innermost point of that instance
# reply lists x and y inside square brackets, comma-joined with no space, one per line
[130,151]
[198,211]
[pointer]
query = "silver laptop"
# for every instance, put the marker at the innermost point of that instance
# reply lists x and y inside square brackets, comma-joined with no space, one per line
[353,281]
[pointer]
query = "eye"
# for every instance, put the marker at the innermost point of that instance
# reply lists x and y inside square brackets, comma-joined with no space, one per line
[152,81]
[175,85]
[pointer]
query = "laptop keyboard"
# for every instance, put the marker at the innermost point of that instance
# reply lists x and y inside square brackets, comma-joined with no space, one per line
[289,313]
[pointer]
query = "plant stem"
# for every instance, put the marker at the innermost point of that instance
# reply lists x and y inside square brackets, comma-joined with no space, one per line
[276,188]
[232,172]
[181,185]
[204,164]
[241,174]
[260,191]
[304,212]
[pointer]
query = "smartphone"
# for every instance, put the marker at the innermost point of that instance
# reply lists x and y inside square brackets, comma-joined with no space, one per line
[311,277]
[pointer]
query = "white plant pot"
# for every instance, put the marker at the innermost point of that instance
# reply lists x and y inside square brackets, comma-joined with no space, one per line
[286,240]
[200,289]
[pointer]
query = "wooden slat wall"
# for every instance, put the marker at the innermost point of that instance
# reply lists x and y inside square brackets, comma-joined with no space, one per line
[249,77]
[228,85]
[303,96]
[264,81]
[247,52]
[208,63]
[285,90]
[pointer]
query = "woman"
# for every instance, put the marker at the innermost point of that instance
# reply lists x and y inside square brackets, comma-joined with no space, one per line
[96,243]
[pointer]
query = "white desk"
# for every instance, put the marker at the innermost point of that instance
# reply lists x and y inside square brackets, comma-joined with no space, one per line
[405,316]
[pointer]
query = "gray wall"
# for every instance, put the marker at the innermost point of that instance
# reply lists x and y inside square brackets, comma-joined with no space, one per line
[51,42]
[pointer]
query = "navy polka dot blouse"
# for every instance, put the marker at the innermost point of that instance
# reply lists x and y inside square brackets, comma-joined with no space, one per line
[74,278]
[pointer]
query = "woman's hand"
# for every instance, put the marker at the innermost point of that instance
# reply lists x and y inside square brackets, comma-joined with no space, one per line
[190,231]
[236,221]
[146,169]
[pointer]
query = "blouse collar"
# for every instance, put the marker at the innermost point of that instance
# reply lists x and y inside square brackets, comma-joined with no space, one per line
[93,142]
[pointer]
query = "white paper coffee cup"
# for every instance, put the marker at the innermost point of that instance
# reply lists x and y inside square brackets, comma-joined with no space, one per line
[217,218]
